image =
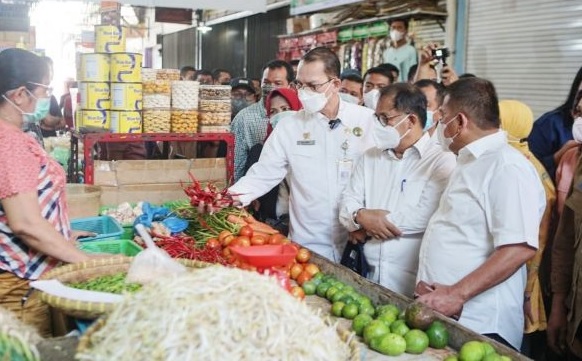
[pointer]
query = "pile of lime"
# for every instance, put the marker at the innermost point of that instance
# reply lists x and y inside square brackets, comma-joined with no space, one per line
[477,351]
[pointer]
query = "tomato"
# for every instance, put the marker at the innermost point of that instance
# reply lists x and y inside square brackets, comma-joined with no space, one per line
[227,253]
[258,240]
[312,269]
[303,255]
[244,241]
[225,237]
[235,242]
[295,246]
[285,241]
[296,269]
[298,292]
[246,231]
[276,238]
[213,243]
[302,278]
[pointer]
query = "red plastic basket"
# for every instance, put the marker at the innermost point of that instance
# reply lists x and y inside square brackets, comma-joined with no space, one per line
[266,256]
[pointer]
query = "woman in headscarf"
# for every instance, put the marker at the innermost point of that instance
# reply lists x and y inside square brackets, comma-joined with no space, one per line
[273,207]
[517,121]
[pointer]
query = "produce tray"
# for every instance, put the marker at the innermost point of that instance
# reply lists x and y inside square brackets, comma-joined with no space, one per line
[105,227]
[124,247]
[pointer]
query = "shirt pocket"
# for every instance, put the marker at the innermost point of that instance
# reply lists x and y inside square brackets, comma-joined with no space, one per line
[304,162]
[411,191]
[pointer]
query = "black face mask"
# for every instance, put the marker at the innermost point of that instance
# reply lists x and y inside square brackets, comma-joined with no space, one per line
[238,105]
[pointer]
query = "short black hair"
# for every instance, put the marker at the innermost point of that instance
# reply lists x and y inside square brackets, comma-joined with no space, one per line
[203,72]
[405,21]
[440,89]
[294,62]
[278,64]
[390,67]
[20,67]
[566,108]
[216,73]
[477,98]
[354,78]
[186,69]
[381,70]
[407,98]
[412,72]
[330,60]
[467,75]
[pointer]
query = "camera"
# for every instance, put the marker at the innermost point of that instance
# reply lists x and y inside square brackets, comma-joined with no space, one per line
[441,54]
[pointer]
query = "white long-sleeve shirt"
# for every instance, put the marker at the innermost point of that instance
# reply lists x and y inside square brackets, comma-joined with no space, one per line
[410,189]
[305,149]
[494,198]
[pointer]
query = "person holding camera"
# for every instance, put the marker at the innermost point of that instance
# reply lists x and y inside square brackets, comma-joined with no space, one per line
[426,70]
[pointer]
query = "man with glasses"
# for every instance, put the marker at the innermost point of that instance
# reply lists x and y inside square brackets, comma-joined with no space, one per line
[486,227]
[395,188]
[315,150]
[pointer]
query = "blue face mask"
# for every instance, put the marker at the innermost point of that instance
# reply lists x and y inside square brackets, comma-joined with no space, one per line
[429,119]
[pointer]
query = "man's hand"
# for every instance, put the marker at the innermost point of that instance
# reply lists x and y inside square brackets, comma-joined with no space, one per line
[374,222]
[527,311]
[357,236]
[448,75]
[425,55]
[443,299]
[557,325]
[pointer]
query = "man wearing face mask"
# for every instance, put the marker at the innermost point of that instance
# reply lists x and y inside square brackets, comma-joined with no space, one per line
[242,94]
[374,80]
[400,53]
[486,227]
[395,188]
[434,93]
[250,124]
[352,87]
[316,150]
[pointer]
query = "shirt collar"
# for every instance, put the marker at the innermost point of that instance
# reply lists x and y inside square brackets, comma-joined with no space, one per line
[420,147]
[482,145]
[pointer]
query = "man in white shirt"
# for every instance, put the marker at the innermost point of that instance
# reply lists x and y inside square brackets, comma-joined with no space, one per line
[400,53]
[316,150]
[395,188]
[486,227]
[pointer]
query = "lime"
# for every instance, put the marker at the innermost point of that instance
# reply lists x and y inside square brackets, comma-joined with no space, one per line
[492,357]
[389,308]
[399,327]
[349,289]
[438,335]
[451,358]
[363,300]
[375,329]
[487,348]
[322,289]
[309,288]
[367,309]
[350,311]
[327,278]
[330,292]
[318,277]
[390,344]
[387,318]
[316,281]
[338,296]
[347,299]
[416,342]
[339,285]
[472,351]
[359,322]
[336,308]
[505,358]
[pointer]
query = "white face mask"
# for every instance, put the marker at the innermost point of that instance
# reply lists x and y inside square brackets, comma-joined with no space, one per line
[349,98]
[313,102]
[371,99]
[277,117]
[387,137]
[443,140]
[396,35]
[577,130]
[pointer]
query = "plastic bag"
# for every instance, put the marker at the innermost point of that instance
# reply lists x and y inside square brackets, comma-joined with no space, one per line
[152,263]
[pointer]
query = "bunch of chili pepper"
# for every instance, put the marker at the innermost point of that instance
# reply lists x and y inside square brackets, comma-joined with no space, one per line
[208,199]
[185,247]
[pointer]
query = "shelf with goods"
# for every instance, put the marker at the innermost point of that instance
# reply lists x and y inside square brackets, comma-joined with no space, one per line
[91,139]
[370,34]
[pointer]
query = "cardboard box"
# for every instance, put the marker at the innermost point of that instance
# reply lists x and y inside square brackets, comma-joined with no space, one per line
[297,24]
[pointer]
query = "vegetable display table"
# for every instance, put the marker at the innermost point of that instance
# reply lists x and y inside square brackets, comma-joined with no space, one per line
[90,139]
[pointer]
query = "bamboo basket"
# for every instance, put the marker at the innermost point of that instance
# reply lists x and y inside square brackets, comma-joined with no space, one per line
[81,272]
[85,344]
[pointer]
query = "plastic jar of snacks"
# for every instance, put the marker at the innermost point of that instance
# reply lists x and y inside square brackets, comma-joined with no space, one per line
[185,94]
[157,87]
[156,101]
[212,118]
[184,121]
[215,92]
[215,105]
[157,121]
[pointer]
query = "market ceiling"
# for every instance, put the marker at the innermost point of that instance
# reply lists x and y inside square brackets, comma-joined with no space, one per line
[236,5]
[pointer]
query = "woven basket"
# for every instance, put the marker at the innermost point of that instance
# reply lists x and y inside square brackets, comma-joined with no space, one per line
[85,341]
[81,272]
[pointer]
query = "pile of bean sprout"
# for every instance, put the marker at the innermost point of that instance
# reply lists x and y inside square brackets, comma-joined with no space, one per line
[215,313]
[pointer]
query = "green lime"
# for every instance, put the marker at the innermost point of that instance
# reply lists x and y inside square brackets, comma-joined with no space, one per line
[487,348]
[363,300]
[359,322]
[350,311]
[375,329]
[309,288]
[438,335]
[492,357]
[347,299]
[399,327]
[389,308]
[330,292]
[416,342]
[389,344]
[322,289]
[318,277]
[339,285]
[367,309]
[386,317]
[505,358]
[338,296]
[349,289]
[451,358]
[317,281]
[337,308]
[472,351]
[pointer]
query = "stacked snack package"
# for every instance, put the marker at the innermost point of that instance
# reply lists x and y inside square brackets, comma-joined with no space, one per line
[157,99]
[214,108]
[184,117]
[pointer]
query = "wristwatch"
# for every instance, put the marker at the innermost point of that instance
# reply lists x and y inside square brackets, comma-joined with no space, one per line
[354,216]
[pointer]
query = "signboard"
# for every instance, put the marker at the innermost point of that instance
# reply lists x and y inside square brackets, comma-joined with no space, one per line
[308,6]
[173,15]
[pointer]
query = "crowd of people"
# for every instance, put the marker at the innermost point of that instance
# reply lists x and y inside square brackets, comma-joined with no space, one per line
[453,195]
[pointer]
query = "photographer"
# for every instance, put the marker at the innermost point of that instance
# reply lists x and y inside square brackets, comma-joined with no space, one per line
[426,70]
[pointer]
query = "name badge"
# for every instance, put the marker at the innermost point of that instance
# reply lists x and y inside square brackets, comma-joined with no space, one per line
[344,171]
[306,142]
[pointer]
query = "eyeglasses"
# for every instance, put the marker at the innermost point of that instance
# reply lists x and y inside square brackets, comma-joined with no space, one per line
[48,89]
[385,120]
[312,87]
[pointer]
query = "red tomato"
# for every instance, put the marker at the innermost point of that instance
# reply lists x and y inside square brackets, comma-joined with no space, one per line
[302,278]
[235,242]
[295,245]
[246,231]
[225,237]
[258,240]
[213,243]
[303,255]
[276,238]
[298,292]
[296,269]
[312,269]
[227,253]
[244,241]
